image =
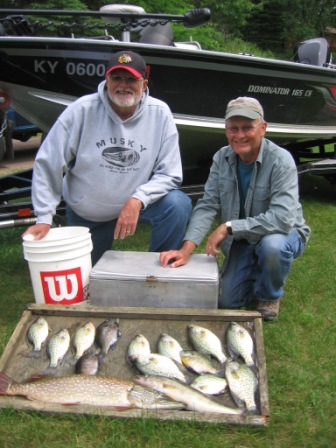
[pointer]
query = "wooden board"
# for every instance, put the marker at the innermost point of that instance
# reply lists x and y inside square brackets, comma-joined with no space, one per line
[17,363]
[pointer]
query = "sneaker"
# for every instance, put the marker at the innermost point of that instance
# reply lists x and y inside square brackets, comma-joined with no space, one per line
[269,309]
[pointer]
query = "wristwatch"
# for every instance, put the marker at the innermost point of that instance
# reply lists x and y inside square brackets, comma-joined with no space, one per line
[229,227]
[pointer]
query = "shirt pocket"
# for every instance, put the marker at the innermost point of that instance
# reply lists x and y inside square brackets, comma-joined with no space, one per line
[260,201]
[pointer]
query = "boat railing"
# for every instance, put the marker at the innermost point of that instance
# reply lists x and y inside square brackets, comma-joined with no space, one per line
[113,19]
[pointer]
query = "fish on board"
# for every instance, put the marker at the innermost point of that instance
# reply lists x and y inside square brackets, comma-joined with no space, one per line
[84,338]
[107,335]
[138,350]
[38,333]
[210,384]
[206,342]
[197,362]
[87,364]
[168,346]
[243,384]
[162,366]
[191,398]
[144,398]
[58,346]
[98,391]
[240,343]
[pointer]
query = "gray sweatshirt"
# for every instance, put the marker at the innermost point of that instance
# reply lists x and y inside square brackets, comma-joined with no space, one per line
[97,162]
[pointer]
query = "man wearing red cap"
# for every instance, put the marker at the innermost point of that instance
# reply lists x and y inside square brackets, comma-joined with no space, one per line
[114,157]
[253,188]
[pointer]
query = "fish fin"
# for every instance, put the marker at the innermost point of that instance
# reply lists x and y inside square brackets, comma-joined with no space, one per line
[35,377]
[71,404]
[5,383]
[257,420]
[122,408]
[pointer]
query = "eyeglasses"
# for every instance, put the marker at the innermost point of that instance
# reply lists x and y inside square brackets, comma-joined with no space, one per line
[127,79]
[247,130]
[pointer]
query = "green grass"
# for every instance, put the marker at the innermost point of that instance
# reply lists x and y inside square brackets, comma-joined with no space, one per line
[300,356]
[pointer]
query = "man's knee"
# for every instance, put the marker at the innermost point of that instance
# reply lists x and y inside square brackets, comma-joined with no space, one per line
[179,203]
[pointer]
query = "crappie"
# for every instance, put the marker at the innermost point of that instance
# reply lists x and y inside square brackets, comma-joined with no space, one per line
[170,347]
[160,365]
[84,338]
[87,364]
[191,398]
[107,335]
[240,343]
[138,350]
[210,384]
[58,346]
[206,342]
[38,333]
[197,362]
[243,384]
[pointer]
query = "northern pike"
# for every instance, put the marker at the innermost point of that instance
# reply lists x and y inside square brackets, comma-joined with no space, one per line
[99,391]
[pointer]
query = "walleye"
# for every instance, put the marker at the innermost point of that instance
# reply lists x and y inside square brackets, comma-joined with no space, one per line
[197,362]
[87,364]
[240,343]
[243,384]
[84,338]
[191,398]
[87,390]
[168,346]
[206,342]
[107,335]
[38,333]
[138,350]
[210,384]
[143,398]
[58,346]
[160,365]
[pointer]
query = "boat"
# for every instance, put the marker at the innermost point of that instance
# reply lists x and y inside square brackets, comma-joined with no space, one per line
[40,75]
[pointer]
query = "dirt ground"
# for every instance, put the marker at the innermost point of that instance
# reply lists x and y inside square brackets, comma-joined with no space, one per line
[24,156]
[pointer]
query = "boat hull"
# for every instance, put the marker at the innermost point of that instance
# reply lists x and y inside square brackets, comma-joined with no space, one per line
[44,75]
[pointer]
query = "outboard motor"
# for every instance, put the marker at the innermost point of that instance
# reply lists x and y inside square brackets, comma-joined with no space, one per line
[157,34]
[313,52]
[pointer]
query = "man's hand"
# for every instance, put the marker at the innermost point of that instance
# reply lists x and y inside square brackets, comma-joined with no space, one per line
[38,231]
[128,219]
[177,257]
[215,239]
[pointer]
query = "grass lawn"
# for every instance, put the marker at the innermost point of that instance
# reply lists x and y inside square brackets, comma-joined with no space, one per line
[301,362]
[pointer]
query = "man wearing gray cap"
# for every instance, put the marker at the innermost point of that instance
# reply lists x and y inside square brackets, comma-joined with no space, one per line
[253,188]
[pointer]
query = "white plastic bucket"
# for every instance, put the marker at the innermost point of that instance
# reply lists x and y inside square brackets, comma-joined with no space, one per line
[60,265]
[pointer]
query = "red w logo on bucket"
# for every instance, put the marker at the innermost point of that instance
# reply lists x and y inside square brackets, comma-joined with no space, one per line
[62,287]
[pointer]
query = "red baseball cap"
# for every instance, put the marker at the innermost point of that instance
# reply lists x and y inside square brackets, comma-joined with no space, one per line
[130,61]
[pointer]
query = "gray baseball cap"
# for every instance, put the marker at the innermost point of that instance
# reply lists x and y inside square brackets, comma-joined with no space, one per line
[244,106]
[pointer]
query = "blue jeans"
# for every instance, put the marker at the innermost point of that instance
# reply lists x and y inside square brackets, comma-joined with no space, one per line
[258,271]
[168,217]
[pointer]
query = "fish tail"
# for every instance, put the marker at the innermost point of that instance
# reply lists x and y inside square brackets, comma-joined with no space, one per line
[257,420]
[5,383]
